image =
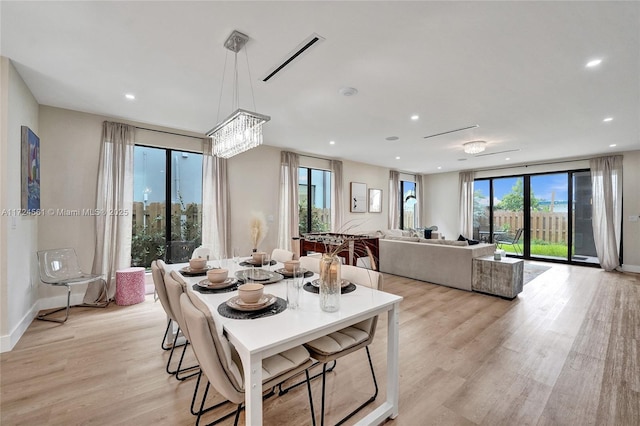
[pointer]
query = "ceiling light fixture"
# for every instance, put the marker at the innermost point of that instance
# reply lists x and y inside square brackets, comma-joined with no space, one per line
[242,130]
[332,142]
[608,119]
[348,91]
[474,147]
[397,158]
[130,96]
[415,117]
[613,145]
[594,63]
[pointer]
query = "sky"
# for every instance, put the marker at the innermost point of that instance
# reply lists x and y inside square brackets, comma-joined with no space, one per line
[543,186]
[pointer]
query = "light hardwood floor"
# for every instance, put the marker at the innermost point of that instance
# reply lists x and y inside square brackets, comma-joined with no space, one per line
[565,352]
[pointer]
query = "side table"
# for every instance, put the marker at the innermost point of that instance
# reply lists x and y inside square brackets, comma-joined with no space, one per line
[498,277]
[130,286]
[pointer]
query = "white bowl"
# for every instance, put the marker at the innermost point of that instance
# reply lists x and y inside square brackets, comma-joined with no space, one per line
[217,275]
[251,292]
[258,256]
[198,263]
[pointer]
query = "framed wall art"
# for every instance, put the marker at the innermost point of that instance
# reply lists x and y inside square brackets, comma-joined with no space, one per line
[375,200]
[358,197]
[30,170]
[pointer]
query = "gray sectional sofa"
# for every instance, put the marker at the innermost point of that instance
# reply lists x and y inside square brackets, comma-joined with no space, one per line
[442,262]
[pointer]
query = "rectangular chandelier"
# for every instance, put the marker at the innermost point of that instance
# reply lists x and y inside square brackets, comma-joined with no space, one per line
[239,132]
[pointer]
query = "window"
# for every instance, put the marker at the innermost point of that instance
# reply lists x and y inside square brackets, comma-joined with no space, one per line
[314,200]
[553,209]
[408,201]
[154,236]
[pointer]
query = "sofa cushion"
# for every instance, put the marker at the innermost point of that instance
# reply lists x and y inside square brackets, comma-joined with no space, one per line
[445,242]
[412,239]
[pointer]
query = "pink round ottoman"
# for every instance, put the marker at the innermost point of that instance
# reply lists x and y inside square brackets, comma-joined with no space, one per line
[130,286]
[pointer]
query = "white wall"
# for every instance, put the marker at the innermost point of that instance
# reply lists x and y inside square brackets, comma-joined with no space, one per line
[441,200]
[19,234]
[375,177]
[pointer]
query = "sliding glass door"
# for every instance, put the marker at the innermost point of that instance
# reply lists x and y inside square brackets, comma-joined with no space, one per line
[557,224]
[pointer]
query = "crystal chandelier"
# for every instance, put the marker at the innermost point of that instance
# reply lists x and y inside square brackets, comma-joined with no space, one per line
[242,130]
[474,147]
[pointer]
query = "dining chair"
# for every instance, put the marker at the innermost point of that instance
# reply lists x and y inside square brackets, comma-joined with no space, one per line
[281,255]
[158,268]
[310,263]
[60,268]
[350,339]
[510,240]
[221,364]
[201,251]
[175,287]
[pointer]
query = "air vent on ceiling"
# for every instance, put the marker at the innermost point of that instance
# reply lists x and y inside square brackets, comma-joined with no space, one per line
[452,131]
[497,152]
[295,53]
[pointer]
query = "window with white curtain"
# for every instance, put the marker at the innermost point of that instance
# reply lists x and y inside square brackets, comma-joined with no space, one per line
[408,204]
[159,175]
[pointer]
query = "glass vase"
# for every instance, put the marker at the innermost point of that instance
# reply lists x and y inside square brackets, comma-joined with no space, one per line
[330,283]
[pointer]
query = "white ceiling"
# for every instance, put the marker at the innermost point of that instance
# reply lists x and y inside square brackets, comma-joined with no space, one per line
[517,69]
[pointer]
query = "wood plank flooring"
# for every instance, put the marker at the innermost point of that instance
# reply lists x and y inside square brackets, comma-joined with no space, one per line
[565,352]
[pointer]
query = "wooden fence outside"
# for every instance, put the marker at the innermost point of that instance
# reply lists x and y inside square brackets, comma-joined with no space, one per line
[546,226]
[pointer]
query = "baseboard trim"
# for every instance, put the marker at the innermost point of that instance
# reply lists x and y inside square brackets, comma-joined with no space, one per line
[631,268]
[9,341]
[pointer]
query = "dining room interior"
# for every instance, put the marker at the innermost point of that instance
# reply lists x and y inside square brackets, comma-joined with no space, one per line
[357,144]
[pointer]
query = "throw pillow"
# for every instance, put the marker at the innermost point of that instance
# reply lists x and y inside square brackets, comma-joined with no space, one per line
[469,241]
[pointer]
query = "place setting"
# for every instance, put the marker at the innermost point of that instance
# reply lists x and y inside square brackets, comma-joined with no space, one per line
[314,286]
[197,267]
[217,281]
[259,274]
[251,303]
[290,269]
[258,259]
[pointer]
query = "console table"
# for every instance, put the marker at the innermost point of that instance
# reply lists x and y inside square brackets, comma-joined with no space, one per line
[498,277]
[326,241]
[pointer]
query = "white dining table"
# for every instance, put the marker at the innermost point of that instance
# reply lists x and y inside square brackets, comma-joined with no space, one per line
[256,339]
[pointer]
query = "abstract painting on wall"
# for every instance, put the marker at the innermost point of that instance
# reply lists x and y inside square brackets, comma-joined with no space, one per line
[30,170]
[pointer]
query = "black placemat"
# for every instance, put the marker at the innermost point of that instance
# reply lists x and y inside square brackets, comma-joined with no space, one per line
[204,290]
[313,289]
[279,306]
[198,273]
[307,274]
[247,263]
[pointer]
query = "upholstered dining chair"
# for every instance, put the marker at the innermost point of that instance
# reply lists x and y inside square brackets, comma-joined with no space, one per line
[60,268]
[281,255]
[175,286]
[157,273]
[310,263]
[221,365]
[201,251]
[350,339]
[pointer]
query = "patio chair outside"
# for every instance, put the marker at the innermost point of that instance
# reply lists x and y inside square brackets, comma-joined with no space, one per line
[510,240]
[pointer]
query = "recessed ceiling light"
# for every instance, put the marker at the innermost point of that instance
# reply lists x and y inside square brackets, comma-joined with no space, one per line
[348,91]
[608,119]
[392,138]
[415,117]
[439,167]
[130,96]
[332,142]
[507,159]
[594,63]
[613,145]
[397,158]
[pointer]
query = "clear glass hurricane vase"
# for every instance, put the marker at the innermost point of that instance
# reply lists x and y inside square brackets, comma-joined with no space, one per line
[330,283]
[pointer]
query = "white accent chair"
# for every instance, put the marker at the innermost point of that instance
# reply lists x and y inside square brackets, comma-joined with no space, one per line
[280,255]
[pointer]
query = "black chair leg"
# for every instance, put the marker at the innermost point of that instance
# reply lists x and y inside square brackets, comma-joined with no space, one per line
[282,391]
[182,370]
[313,414]
[164,338]
[364,404]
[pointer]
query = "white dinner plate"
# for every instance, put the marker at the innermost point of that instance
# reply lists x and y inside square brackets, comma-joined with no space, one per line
[265,301]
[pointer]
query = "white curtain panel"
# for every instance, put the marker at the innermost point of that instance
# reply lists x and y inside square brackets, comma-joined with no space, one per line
[418,208]
[114,194]
[288,220]
[466,204]
[337,197]
[394,199]
[215,202]
[606,186]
